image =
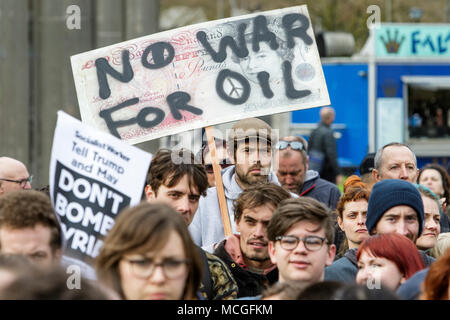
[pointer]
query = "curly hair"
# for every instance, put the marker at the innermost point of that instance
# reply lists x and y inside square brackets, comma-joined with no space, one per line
[27,208]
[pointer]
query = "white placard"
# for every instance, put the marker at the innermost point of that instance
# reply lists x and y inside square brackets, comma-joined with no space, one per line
[202,75]
[93,176]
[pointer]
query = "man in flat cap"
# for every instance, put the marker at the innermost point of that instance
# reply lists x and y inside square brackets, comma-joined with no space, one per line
[249,145]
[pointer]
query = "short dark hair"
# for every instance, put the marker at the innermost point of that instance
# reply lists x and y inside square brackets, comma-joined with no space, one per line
[27,208]
[164,171]
[293,210]
[259,195]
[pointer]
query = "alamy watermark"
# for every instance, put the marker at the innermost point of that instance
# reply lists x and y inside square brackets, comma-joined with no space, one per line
[73,17]
[374,20]
[74,280]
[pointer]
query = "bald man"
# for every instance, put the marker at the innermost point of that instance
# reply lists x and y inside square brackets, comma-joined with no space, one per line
[322,141]
[13,175]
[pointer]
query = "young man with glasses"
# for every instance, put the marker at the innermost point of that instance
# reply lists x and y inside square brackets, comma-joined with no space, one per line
[13,176]
[295,176]
[301,235]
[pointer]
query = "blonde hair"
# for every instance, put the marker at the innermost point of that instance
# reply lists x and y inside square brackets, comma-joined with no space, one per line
[442,244]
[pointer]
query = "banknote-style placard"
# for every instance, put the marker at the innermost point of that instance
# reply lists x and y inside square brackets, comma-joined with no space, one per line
[202,75]
[93,176]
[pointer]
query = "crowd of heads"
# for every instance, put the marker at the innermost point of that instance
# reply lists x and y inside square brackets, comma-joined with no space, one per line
[393,217]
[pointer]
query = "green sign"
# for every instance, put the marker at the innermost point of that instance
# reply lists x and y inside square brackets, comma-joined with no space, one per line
[412,40]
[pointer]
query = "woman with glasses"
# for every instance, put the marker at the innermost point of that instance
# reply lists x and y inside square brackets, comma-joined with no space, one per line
[149,255]
[387,260]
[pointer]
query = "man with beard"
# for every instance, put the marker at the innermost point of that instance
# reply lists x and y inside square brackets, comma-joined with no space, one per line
[295,176]
[249,145]
[246,253]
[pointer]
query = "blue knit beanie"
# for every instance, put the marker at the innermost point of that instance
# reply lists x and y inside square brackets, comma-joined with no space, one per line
[390,193]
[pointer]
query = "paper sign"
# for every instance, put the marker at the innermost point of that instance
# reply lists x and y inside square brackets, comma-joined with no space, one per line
[93,176]
[202,75]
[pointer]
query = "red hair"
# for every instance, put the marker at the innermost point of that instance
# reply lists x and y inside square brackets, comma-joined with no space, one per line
[435,286]
[396,248]
[354,190]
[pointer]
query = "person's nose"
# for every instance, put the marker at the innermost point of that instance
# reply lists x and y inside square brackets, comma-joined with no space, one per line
[27,186]
[402,228]
[432,225]
[251,64]
[403,173]
[300,248]
[259,230]
[183,205]
[361,219]
[157,275]
[289,179]
[363,275]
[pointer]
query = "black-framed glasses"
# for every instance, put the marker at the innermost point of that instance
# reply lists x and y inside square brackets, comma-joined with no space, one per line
[172,268]
[296,145]
[311,243]
[223,164]
[22,182]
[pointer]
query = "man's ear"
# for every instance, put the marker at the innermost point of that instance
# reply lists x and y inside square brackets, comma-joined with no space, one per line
[271,251]
[340,223]
[238,225]
[330,255]
[149,194]
[307,163]
[376,176]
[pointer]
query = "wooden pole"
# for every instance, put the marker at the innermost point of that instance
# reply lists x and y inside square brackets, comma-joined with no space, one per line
[219,184]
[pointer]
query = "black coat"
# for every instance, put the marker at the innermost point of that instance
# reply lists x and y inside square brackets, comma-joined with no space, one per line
[249,283]
[322,139]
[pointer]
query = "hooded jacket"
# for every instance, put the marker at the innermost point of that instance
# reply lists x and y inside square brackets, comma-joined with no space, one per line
[320,189]
[343,269]
[207,228]
[249,283]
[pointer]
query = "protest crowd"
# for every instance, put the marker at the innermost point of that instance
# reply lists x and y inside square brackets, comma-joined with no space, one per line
[274,226]
[283,243]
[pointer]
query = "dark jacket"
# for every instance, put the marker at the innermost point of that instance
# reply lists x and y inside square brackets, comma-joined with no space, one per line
[249,283]
[320,189]
[343,269]
[326,193]
[322,139]
[427,260]
[410,289]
